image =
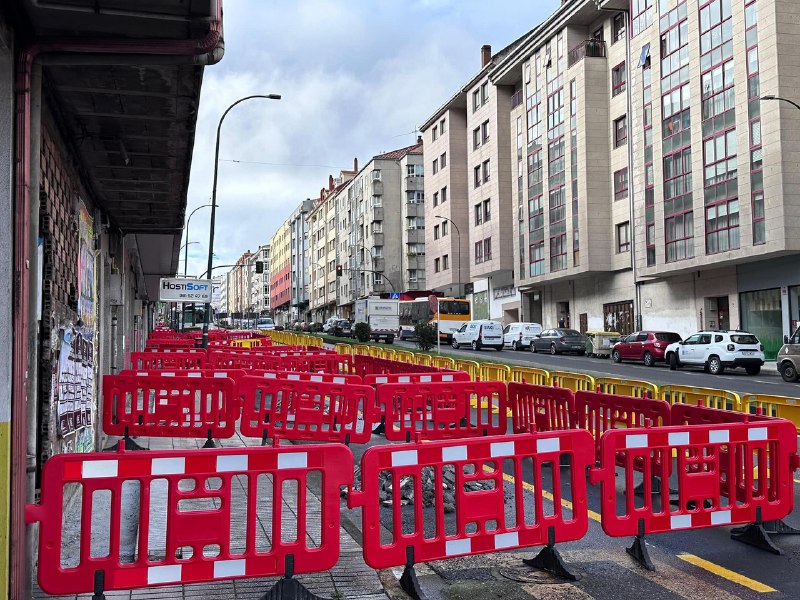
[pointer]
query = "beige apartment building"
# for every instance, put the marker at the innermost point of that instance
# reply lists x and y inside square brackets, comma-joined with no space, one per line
[468,187]
[640,180]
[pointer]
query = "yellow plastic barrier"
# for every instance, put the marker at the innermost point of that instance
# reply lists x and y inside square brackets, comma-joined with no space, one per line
[773,406]
[359,349]
[576,382]
[375,352]
[626,387]
[471,367]
[529,375]
[388,354]
[343,348]
[245,343]
[493,372]
[423,360]
[443,362]
[709,397]
[404,356]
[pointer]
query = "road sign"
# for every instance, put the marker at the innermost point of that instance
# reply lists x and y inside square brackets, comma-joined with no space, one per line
[178,289]
[394,296]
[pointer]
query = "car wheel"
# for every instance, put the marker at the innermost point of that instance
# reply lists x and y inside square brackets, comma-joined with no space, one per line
[673,361]
[615,356]
[553,349]
[533,348]
[789,372]
[454,344]
[715,366]
[514,346]
[581,352]
[753,370]
[475,345]
[649,361]
[499,348]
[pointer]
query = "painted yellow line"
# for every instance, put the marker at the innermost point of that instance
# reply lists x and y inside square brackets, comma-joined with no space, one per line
[548,496]
[797,480]
[727,574]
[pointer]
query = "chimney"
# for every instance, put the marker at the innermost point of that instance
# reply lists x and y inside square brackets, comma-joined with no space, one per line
[486,55]
[330,182]
[355,164]
[419,139]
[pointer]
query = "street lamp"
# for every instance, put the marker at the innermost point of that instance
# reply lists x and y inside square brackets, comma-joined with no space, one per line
[186,254]
[186,245]
[773,97]
[458,255]
[207,319]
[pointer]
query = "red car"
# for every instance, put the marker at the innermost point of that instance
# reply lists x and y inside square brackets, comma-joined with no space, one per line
[647,346]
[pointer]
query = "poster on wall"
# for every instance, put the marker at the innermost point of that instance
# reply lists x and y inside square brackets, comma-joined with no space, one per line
[73,386]
[86,292]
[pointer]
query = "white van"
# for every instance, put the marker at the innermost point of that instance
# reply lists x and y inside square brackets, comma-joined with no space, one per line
[265,323]
[519,336]
[478,334]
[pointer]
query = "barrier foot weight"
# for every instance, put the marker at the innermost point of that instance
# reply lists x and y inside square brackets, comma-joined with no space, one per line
[638,550]
[780,528]
[550,560]
[408,580]
[655,487]
[380,429]
[209,442]
[756,535]
[290,589]
[127,444]
[99,585]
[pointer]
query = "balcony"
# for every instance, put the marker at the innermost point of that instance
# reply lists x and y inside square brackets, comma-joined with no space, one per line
[586,49]
[516,99]
[377,187]
[377,239]
[378,264]
[415,183]
[377,213]
[415,210]
[415,236]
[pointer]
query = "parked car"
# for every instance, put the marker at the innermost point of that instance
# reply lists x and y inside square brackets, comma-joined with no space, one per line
[561,339]
[519,336]
[717,350]
[789,357]
[478,334]
[646,346]
[265,323]
[327,327]
[343,328]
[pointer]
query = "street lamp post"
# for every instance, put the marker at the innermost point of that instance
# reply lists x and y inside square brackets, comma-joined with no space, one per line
[186,245]
[773,97]
[458,254]
[207,316]
[186,253]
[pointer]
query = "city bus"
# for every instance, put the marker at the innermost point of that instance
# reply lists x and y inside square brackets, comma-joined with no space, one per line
[454,312]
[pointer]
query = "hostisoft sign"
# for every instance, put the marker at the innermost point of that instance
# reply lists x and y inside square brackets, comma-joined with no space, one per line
[184,290]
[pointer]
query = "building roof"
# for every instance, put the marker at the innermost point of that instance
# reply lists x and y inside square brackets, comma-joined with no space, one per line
[401,153]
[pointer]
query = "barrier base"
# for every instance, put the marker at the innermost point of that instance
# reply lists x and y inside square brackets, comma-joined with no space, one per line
[209,443]
[779,528]
[290,589]
[655,487]
[127,444]
[410,584]
[550,560]
[380,429]
[638,551]
[757,536]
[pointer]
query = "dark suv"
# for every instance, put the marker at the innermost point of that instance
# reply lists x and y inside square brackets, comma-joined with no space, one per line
[342,328]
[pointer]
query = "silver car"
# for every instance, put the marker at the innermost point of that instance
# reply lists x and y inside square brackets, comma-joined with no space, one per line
[561,339]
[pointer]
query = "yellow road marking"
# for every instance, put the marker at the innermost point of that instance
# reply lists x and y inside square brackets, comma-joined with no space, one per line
[797,480]
[726,573]
[548,496]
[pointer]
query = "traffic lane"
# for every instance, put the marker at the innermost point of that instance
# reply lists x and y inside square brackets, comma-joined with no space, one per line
[737,380]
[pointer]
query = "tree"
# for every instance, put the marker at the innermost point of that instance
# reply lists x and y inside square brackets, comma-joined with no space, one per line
[362,332]
[426,335]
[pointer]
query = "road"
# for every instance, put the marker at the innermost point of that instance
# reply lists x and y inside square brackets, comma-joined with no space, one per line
[767,382]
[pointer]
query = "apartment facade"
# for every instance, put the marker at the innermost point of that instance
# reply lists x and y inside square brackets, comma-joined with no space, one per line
[280,284]
[412,206]
[239,290]
[652,188]
[259,284]
[299,261]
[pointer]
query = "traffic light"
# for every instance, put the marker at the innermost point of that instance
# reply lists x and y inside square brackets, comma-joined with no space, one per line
[338,270]
[259,266]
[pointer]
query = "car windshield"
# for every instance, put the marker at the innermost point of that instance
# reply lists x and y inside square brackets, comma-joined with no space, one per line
[668,337]
[569,332]
[744,339]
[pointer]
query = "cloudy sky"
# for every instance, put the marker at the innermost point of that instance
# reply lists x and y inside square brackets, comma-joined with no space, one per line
[357,78]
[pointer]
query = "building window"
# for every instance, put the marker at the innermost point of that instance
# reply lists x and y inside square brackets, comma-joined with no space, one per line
[618,27]
[485,132]
[618,79]
[487,212]
[679,236]
[642,15]
[412,276]
[478,214]
[476,100]
[476,138]
[558,252]
[444,228]
[377,279]
[445,262]
[722,226]
[486,171]
[759,233]
[376,174]
[478,253]
[487,249]
[623,237]
[477,175]
[720,169]
[536,252]
[620,131]
[621,184]
[484,93]
[598,34]
[436,265]
[442,126]
[443,160]
[436,198]
[435,133]
[435,166]
[444,194]
[435,232]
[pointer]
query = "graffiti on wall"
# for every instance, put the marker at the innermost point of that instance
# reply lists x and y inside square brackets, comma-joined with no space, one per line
[86,292]
[73,387]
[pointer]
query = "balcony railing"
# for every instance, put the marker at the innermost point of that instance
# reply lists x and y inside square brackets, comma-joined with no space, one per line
[587,48]
[516,99]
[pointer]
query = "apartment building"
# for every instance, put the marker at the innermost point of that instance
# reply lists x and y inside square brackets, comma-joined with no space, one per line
[373,238]
[299,261]
[651,186]
[323,252]
[412,205]
[468,190]
[280,284]
[239,290]
[259,284]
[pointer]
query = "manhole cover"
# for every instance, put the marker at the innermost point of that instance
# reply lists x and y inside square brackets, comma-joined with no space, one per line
[525,574]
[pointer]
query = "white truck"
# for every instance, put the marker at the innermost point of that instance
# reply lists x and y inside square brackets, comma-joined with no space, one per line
[383,317]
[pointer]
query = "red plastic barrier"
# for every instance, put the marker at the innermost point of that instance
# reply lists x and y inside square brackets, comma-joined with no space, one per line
[306,410]
[307,376]
[442,410]
[213,518]
[370,365]
[711,459]
[170,343]
[541,408]
[156,361]
[189,350]
[501,518]
[445,376]
[313,362]
[160,406]
[688,414]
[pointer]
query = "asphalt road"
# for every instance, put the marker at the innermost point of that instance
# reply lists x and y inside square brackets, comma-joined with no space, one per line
[767,382]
